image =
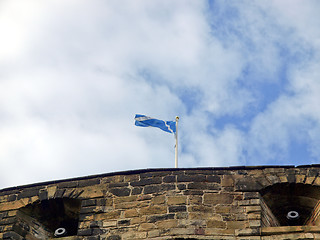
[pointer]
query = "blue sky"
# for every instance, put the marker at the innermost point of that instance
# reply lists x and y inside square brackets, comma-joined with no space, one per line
[243,76]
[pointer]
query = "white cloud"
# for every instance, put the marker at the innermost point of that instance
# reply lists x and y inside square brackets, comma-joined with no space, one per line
[14,17]
[73,74]
[294,115]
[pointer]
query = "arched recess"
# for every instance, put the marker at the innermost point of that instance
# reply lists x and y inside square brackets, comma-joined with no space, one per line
[41,219]
[282,199]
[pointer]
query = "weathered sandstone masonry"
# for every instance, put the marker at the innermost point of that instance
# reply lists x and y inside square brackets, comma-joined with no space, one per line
[199,203]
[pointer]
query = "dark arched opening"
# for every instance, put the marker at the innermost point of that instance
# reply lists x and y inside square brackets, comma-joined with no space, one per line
[292,204]
[43,219]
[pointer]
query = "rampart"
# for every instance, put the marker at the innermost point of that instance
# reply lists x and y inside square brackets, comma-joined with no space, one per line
[263,202]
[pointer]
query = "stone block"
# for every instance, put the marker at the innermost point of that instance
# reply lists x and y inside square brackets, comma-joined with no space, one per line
[13,205]
[244,216]
[220,233]
[194,199]
[181,231]
[155,174]
[68,192]
[254,223]
[153,233]
[12,197]
[280,230]
[227,181]
[309,180]
[236,224]
[104,202]
[68,184]
[120,192]
[131,213]
[238,197]
[89,182]
[107,224]
[43,195]
[85,210]
[313,172]
[177,200]
[88,202]
[86,217]
[156,218]
[134,235]
[182,186]
[197,185]
[244,203]
[213,178]
[123,222]
[144,197]
[106,216]
[92,192]
[291,178]
[59,193]
[251,195]
[216,224]
[193,192]
[85,232]
[255,201]
[157,200]
[170,179]
[132,178]
[26,193]
[136,190]
[226,209]
[300,178]
[166,224]
[247,232]
[182,215]
[159,188]
[263,181]
[317,181]
[217,198]
[147,181]
[191,178]
[129,205]
[125,199]
[116,185]
[254,216]
[179,208]
[250,209]
[138,220]
[51,191]
[151,210]
[200,208]
[115,179]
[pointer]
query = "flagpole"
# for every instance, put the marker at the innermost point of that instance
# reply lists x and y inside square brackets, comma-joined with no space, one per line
[176,146]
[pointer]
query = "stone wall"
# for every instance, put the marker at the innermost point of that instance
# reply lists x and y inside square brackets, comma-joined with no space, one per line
[206,203]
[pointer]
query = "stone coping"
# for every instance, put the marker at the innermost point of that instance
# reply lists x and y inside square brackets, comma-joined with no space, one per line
[137,171]
[265,231]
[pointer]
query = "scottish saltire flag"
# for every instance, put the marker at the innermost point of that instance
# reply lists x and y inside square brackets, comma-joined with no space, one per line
[144,121]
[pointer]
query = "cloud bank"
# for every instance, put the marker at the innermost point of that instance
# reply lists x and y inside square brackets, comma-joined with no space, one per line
[243,77]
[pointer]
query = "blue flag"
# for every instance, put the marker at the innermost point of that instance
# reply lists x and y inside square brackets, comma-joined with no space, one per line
[144,121]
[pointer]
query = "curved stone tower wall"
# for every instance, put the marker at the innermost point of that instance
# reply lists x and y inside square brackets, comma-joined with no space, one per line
[207,203]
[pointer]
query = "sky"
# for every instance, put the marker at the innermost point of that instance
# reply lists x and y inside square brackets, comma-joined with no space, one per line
[242,75]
